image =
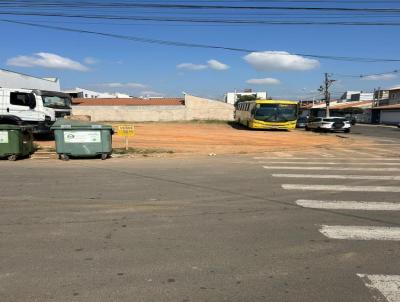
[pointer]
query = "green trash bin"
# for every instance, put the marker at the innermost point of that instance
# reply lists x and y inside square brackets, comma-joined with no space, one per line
[82,139]
[16,141]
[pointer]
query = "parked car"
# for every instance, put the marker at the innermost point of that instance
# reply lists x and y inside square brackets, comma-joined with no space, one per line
[301,122]
[328,124]
[351,119]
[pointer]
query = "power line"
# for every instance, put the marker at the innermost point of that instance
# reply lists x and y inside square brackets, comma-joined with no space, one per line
[367,75]
[207,21]
[193,45]
[216,7]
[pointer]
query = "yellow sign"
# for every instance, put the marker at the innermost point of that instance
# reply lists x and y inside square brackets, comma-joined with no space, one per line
[125,130]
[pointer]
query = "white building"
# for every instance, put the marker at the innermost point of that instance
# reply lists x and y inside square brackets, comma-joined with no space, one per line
[356,96]
[362,96]
[233,97]
[83,93]
[12,79]
[346,97]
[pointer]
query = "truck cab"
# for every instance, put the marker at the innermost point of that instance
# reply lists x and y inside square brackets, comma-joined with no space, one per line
[39,108]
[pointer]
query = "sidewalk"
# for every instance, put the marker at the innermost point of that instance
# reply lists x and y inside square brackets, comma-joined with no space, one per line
[377,125]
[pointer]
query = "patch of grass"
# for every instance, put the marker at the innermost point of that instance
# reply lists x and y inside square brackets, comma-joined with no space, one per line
[143,151]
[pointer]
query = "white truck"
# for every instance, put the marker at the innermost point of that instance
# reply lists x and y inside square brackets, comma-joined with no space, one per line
[39,108]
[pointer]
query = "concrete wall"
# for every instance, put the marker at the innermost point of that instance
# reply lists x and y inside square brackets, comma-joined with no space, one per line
[195,109]
[10,79]
[205,109]
[131,113]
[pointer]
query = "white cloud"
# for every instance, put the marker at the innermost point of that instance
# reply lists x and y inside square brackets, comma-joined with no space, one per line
[380,77]
[264,81]
[191,66]
[214,64]
[124,85]
[90,61]
[279,61]
[46,60]
[151,93]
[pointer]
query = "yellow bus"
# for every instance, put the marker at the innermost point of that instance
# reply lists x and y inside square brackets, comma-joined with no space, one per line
[267,114]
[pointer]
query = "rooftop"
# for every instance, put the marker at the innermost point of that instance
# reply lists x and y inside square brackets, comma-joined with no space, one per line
[393,106]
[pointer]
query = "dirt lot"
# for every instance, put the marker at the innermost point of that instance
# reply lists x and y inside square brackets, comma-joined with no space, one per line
[221,138]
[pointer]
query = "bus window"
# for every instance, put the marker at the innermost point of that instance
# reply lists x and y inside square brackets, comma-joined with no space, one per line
[276,112]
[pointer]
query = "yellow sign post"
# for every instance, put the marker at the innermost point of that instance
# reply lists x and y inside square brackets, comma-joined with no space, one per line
[126,131]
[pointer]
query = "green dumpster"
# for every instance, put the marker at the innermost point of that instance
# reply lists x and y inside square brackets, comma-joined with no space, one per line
[15,141]
[82,139]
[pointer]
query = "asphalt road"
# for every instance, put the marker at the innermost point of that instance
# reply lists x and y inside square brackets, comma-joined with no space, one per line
[229,228]
[377,131]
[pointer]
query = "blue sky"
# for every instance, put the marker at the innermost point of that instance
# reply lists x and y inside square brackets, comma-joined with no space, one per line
[106,64]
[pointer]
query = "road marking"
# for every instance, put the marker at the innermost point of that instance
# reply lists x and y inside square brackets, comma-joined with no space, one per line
[349,205]
[371,163]
[331,168]
[327,176]
[391,152]
[304,187]
[361,232]
[356,152]
[386,285]
[326,155]
[386,140]
[333,158]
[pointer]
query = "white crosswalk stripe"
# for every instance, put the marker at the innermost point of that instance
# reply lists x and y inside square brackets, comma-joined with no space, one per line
[337,176]
[336,163]
[361,232]
[349,205]
[387,285]
[344,188]
[316,168]
[341,159]
[358,153]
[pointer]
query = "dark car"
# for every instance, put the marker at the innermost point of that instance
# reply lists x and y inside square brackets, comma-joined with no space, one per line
[351,119]
[301,122]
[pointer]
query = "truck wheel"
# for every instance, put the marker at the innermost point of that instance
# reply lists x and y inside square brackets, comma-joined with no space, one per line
[64,157]
[347,131]
[104,156]
[12,157]
[307,129]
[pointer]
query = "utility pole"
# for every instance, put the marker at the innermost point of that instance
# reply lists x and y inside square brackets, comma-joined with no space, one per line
[325,89]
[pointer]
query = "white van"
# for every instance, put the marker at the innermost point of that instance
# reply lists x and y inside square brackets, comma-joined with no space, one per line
[35,107]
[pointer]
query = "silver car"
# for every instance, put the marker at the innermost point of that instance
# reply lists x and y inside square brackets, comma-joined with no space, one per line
[330,124]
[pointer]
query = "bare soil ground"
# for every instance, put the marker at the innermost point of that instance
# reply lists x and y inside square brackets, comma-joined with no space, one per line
[222,138]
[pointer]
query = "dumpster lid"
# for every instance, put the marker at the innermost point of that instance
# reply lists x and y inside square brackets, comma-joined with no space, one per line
[10,120]
[71,124]
[9,127]
[15,127]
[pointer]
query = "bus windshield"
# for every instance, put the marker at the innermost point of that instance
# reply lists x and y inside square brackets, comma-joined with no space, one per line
[56,102]
[276,112]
